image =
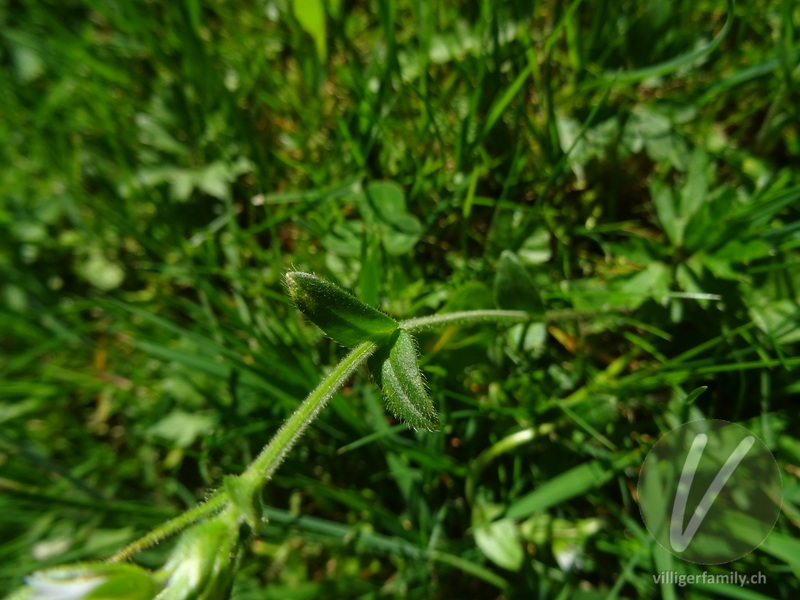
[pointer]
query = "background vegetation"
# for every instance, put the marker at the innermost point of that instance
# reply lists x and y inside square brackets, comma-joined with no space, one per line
[163,163]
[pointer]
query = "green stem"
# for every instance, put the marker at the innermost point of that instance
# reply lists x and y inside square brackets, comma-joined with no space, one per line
[509,317]
[470,317]
[273,454]
[163,531]
[265,464]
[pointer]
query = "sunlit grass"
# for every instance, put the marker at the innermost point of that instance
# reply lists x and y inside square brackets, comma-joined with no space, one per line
[165,164]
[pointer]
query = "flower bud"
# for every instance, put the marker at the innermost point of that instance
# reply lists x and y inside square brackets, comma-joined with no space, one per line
[203,563]
[338,313]
[90,581]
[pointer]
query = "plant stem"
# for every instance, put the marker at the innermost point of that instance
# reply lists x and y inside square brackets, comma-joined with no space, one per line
[469,317]
[273,454]
[163,531]
[473,317]
[270,457]
[265,464]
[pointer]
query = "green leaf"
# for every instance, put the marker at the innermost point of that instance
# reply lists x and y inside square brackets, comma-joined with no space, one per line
[535,249]
[311,16]
[202,565]
[127,583]
[513,287]
[710,227]
[500,542]
[680,61]
[183,428]
[664,202]
[384,204]
[695,394]
[473,295]
[693,193]
[344,239]
[498,539]
[501,103]
[396,370]
[101,272]
[338,313]
[577,481]
[784,548]
[653,281]
[369,275]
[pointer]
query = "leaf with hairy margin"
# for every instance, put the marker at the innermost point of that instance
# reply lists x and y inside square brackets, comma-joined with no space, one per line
[338,313]
[396,370]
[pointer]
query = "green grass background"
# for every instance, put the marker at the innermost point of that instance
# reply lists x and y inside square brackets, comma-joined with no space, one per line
[163,163]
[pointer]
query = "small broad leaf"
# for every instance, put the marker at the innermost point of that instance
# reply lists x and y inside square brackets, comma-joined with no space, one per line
[499,541]
[396,370]
[513,287]
[338,313]
[383,204]
[183,428]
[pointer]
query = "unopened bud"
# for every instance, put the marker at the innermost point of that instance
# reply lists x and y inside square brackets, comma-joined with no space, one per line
[338,313]
[203,563]
[90,581]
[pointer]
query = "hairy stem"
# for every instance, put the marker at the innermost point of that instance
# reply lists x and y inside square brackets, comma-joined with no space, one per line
[171,527]
[273,453]
[265,464]
[508,317]
[270,457]
[469,317]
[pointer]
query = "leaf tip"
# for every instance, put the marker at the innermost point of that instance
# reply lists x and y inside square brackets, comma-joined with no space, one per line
[292,282]
[341,315]
[396,370]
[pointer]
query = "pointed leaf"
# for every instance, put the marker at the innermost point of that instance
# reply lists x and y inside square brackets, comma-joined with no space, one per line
[337,312]
[513,287]
[396,370]
[311,16]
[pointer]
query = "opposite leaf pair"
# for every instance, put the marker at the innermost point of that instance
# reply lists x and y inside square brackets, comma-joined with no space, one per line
[351,322]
